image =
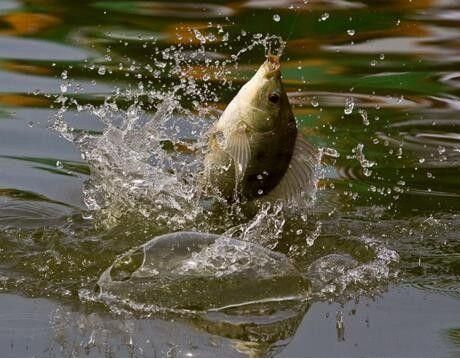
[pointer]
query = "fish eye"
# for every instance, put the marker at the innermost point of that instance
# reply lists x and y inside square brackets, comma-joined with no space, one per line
[274,97]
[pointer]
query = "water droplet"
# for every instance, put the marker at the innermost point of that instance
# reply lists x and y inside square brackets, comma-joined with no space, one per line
[349,105]
[373,63]
[324,16]
[421,160]
[101,71]
[363,114]
[382,56]
[64,75]
[350,32]
[63,88]
[59,164]
[86,216]
[314,102]
[330,152]
[276,18]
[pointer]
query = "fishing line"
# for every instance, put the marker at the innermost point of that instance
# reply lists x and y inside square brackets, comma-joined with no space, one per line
[294,23]
[283,43]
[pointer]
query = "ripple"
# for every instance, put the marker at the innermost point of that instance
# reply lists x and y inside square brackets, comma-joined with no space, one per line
[299,4]
[7,5]
[451,288]
[29,214]
[168,9]
[452,79]
[426,45]
[22,83]
[333,99]
[28,49]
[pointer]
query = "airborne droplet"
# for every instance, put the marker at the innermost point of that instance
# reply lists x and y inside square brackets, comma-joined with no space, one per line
[101,70]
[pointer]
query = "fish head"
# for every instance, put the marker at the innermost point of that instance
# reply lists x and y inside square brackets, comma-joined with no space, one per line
[262,103]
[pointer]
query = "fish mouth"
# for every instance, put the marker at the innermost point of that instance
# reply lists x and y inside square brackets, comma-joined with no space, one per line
[272,65]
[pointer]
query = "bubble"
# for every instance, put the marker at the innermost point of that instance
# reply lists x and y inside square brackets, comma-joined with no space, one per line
[276,18]
[158,273]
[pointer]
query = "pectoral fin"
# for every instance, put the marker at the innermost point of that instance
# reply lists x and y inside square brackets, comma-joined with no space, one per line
[300,177]
[237,146]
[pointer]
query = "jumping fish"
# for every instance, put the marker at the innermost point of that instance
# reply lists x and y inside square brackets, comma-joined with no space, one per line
[254,149]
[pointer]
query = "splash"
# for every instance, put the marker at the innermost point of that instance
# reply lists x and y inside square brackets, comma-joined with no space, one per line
[146,161]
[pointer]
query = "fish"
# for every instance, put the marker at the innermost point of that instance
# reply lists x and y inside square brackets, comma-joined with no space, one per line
[254,150]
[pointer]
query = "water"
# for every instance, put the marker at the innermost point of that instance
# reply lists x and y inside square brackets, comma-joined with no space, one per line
[104,108]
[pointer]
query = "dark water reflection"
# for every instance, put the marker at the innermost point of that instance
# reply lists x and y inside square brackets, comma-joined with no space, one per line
[381,75]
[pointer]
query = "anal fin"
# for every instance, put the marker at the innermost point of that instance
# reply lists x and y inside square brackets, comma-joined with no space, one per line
[300,178]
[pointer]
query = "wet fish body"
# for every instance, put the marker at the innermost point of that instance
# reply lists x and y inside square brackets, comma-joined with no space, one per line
[254,149]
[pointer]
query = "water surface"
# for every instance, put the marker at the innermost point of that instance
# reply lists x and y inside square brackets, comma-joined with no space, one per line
[102,109]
